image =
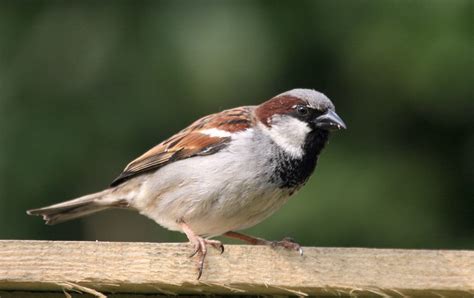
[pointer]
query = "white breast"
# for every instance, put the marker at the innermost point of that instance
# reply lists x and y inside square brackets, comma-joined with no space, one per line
[228,190]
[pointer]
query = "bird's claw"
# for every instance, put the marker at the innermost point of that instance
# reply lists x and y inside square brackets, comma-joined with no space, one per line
[201,250]
[217,245]
[288,243]
[197,246]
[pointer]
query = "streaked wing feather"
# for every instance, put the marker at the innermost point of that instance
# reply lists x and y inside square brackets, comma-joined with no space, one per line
[189,142]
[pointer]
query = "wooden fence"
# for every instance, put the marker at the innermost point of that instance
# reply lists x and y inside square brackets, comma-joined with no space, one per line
[32,268]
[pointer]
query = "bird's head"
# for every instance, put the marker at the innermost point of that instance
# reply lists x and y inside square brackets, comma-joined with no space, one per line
[293,115]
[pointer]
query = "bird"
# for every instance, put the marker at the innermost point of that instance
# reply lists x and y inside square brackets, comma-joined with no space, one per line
[224,173]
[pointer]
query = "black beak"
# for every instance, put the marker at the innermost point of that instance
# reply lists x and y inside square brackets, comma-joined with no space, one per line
[330,121]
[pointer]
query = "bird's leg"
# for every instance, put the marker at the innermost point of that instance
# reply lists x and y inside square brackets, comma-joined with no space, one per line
[199,244]
[287,242]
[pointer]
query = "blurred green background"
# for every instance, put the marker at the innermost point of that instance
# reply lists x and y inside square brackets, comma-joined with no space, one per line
[85,87]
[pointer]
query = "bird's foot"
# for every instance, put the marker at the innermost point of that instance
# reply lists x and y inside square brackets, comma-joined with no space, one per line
[200,247]
[287,242]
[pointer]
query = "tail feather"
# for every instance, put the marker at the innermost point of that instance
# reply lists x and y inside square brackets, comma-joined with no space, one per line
[79,207]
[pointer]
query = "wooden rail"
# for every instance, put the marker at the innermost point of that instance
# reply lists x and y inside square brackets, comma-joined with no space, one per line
[101,268]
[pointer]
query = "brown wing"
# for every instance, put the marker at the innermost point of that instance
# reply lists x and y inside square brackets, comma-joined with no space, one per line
[189,142]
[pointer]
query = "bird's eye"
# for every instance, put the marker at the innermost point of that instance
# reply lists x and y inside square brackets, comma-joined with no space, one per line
[302,110]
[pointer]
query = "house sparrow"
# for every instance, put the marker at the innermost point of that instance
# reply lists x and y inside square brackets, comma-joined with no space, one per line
[225,172]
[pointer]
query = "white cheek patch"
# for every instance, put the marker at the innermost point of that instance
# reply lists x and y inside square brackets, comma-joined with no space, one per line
[289,133]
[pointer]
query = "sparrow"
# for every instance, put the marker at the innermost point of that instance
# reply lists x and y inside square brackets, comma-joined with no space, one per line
[224,173]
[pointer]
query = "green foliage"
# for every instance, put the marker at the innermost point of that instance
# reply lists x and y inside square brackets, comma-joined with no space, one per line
[85,87]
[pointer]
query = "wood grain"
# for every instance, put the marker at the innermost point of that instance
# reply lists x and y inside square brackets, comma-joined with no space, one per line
[99,268]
